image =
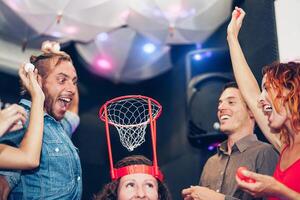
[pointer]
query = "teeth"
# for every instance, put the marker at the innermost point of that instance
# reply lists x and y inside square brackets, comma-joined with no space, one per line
[267,108]
[225,117]
[66,99]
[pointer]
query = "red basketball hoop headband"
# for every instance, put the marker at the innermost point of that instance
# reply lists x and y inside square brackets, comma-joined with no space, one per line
[130,115]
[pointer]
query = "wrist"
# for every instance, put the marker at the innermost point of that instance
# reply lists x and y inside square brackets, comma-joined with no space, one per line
[280,190]
[231,37]
[38,98]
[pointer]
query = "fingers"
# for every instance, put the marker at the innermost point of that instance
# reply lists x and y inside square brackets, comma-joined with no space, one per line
[239,14]
[251,175]
[247,187]
[13,110]
[22,73]
[30,80]
[12,118]
[186,192]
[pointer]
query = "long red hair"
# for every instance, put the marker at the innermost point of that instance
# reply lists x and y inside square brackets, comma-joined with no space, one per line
[282,77]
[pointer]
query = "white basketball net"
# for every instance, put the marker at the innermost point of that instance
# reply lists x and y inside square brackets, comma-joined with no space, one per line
[130,116]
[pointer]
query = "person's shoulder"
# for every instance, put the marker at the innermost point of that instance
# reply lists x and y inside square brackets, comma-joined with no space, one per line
[263,145]
[264,148]
[213,158]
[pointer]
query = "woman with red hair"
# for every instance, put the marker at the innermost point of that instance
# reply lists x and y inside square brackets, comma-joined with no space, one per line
[276,111]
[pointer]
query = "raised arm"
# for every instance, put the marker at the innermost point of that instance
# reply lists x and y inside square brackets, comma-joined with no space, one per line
[245,78]
[27,156]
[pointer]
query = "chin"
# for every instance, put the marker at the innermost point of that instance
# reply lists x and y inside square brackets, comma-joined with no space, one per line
[59,116]
[224,130]
[275,128]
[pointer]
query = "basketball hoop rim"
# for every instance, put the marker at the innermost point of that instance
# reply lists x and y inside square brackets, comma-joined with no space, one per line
[125,97]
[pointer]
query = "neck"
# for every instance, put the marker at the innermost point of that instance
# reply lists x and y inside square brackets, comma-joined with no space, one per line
[293,135]
[294,140]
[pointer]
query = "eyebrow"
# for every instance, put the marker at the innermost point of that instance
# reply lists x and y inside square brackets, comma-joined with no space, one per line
[227,98]
[67,76]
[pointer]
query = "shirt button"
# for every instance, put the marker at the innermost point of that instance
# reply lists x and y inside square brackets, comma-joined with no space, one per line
[56,149]
[78,178]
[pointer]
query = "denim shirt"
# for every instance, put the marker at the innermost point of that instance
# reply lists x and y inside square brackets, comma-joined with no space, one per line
[59,174]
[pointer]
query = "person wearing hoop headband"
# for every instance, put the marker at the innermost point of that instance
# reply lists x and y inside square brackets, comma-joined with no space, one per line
[135,183]
[133,177]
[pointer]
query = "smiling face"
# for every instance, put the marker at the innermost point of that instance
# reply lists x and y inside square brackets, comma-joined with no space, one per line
[138,186]
[233,114]
[59,87]
[276,117]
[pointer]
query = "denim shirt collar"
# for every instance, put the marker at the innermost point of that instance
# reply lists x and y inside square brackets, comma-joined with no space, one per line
[27,103]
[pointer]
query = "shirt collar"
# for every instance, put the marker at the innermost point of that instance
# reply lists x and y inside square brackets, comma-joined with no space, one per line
[241,144]
[28,103]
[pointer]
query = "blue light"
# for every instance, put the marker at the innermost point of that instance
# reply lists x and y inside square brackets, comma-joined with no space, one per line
[197,57]
[211,147]
[149,48]
[198,45]
[208,54]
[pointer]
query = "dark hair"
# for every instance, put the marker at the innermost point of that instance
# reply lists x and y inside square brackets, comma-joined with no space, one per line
[45,63]
[281,76]
[231,84]
[110,190]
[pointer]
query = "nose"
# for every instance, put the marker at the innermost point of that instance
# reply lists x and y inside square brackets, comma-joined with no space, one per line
[71,87]
[140,193]
[261,98]
[220,106]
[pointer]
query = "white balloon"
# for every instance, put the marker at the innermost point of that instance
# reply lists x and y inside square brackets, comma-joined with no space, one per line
[29,67]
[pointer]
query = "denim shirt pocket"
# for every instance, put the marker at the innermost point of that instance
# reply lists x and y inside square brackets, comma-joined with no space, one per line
[59,165]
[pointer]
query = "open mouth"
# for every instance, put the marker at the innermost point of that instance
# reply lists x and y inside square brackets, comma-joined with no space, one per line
[64,102]
[267,109]
[224,117]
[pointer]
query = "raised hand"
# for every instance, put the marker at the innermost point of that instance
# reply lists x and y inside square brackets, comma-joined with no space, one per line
[236,21]
[31,81]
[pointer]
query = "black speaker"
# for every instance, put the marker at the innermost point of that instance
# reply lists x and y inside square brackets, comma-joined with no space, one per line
[258,36]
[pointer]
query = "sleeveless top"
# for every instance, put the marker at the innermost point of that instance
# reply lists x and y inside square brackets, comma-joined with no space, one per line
[290,177]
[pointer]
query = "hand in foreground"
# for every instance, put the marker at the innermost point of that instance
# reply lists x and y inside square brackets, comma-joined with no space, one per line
[264,185]
[12,118]
[201,193]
